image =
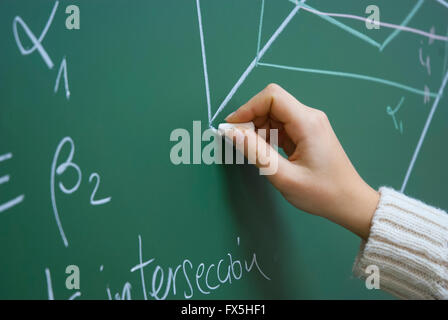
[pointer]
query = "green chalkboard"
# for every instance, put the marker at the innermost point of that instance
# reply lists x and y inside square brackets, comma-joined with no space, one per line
[86,117]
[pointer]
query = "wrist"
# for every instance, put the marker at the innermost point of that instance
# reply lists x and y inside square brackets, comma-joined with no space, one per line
[356,209]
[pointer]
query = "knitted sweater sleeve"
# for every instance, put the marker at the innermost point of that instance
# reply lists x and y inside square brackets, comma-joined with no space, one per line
[408,242]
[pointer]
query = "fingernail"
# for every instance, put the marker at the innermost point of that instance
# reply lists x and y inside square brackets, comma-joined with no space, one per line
[230,115]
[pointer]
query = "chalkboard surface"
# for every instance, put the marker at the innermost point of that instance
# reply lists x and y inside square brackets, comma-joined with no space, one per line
[86,117]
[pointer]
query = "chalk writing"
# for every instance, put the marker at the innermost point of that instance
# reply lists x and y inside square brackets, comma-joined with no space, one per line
[397,124]
[58,170]
[50,287]
[37,45]
[4,179]
[197,277]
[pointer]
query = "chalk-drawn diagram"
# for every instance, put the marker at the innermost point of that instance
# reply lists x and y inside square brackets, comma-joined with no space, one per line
[58,168]
[335,19]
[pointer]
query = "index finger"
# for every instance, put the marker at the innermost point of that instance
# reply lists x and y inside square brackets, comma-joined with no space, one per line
[273,102]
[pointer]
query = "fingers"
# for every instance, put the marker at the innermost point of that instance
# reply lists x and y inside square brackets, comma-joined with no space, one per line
[273,102]
[260,153]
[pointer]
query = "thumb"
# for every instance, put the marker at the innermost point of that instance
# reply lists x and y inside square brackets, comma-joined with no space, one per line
[260,153]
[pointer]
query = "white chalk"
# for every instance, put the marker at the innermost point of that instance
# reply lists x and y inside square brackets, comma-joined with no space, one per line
[223,127]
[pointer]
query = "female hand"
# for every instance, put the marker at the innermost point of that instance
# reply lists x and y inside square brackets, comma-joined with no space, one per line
[317,177]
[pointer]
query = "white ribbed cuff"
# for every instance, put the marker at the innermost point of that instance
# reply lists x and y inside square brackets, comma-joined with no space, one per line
[408,242]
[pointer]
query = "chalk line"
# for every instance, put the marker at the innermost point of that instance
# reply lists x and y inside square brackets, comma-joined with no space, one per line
[423,134]
[140,257]
[345,27]
[443,3]
[445,59]
[62,72]
[37,42]
[52,189]
[11,203]
[75,295]
[259,30]
[406,20]
[361,35]
[396,27]
[49,286]
[352,75]
[254,61]
[204,62]
[4,179]
[5,156]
